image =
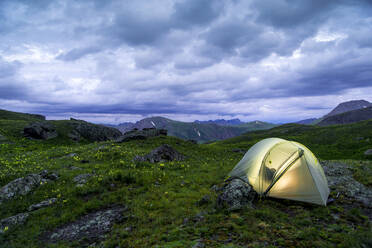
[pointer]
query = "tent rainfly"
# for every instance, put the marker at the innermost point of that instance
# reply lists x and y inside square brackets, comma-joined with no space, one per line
[283,169]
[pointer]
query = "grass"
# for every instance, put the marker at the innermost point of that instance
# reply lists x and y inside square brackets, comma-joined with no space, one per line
[163,197]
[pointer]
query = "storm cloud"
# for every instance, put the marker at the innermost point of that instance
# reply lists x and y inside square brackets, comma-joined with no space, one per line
[112,61]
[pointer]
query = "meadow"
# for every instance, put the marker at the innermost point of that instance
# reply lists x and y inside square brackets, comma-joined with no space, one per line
[164,199]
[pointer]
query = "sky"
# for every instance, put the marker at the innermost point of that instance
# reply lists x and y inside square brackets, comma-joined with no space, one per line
[117,61]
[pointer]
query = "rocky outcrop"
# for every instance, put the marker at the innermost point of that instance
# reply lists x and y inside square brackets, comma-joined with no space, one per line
[162,153]
[82,179]
[92,132]
[40,130]
[141,134]
[10,222]
[340,179]
[368,152]
[42,204]
[23,185]
[89,228]
[236,194]
[348,117]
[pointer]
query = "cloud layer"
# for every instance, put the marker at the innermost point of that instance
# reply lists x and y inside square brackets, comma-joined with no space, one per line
[112,61]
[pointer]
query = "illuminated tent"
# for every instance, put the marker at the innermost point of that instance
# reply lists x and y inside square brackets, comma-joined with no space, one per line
[283,169]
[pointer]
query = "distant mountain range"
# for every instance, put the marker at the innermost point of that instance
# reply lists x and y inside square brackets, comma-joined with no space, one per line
[201,131]
[343,113]
[222,122]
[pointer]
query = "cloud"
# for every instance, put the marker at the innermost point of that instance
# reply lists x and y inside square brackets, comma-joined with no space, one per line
[192,59]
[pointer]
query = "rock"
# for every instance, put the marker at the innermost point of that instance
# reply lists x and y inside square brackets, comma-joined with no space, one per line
[238,150]
[82,179]
[42,204]
[92,132]
[74,135]
[235,195]
[20,186]
[340,179]
[368,152]
[141,134]
[204,200]
[89,228]
[48,175]
[23,185]
[12,221]
[162,153]
[40,130]
[199,244]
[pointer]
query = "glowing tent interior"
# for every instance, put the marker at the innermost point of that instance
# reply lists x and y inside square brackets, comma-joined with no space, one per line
[283,169]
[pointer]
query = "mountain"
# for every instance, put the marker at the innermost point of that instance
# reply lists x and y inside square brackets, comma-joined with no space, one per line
[222,122]
[122,127]
[257,125]
[201,132]
[348,106]
[309,121]
[348,117]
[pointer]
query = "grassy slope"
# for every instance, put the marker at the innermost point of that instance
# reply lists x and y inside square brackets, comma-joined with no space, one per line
[331,142]
[161,196]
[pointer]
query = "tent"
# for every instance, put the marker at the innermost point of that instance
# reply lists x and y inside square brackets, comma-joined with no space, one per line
[283,169]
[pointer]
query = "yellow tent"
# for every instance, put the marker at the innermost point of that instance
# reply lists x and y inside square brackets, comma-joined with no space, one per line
[284,169]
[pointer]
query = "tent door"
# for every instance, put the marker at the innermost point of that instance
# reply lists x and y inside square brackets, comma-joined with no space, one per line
[284,167]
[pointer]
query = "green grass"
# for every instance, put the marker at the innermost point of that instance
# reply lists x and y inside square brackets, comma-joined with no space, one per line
[162,197]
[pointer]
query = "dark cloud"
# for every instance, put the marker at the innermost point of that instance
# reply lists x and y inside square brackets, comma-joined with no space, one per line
[183,57]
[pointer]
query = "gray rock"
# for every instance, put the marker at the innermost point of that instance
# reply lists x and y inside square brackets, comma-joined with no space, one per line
[20,186]
[40,130]
[235,195]
[82,178]
[204,200]
[10,222]
[199,244]
[162,153]
[74,135]
[23,185]
[340,179]
[141,134]
[92,132]
[368,152]
[89,228]
[42,204]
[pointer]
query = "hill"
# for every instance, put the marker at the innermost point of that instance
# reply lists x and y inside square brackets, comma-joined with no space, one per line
[12,126]
[348,106]
[330,142]
[347,117]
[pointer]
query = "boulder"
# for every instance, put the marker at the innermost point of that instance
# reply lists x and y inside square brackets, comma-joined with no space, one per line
[368,152]
[145,133]
[89,228]
[42,204]
[10,222]
[236,194]
[23,185]
[340,179]
[91,132]
[82,179]
[162,153]
[40,130]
